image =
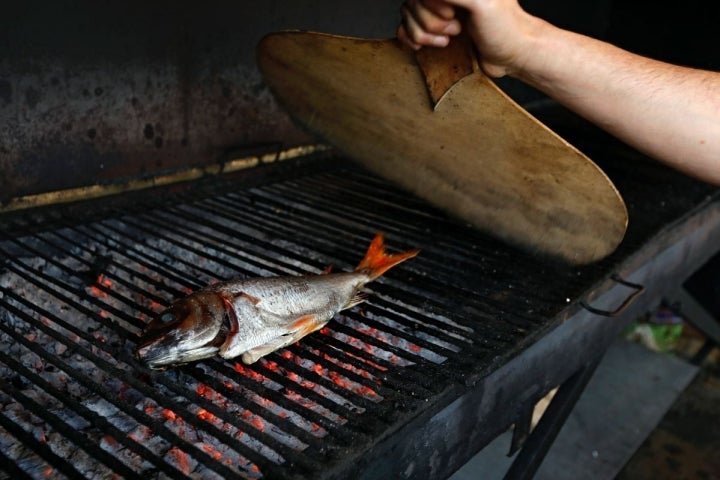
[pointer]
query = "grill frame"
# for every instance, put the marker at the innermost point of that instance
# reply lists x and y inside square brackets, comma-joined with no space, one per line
[416,394]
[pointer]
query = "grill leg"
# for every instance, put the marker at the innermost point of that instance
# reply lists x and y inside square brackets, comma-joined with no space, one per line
[522,428]
[538,443]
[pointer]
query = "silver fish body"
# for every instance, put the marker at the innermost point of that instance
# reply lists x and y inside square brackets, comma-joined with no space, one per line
[287,308]
[251,318]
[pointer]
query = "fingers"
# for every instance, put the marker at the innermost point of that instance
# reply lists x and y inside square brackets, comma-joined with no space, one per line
[404,38]
[438,8]
[427,23]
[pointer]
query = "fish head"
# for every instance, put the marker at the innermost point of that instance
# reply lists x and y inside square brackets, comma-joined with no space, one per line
[191,329]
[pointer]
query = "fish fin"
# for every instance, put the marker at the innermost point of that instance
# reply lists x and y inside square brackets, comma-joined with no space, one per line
[327,270]
[256,353]
[356,299]
[297,329]
[377,261]
[303,326]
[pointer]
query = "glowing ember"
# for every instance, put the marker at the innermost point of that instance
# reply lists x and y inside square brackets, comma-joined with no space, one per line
[258,423]
[104,281]
[96,292]
[169,414]
[205,391]
[205,415]
[101,281]
[213,452]
[180,460]
[239,368]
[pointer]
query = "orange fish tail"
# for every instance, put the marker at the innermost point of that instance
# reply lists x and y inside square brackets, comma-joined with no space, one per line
[377,261]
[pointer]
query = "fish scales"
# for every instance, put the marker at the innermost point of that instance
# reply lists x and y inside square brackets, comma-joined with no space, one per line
[254,317]
[321,294]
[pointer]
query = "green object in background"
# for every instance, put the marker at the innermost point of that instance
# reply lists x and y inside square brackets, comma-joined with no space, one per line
[657,336]
[666,335]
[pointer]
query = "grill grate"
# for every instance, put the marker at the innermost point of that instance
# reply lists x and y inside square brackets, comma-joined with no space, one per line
[76,290]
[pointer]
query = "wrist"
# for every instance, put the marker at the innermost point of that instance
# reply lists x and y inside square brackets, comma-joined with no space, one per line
[511,46]
[533,44]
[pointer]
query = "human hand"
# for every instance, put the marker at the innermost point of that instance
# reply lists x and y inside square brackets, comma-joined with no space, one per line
[501,29]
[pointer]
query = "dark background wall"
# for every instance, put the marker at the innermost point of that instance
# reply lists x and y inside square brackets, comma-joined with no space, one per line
[95,91]
[683,32]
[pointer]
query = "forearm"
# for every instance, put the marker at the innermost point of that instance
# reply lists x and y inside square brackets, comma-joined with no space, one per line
[670,113]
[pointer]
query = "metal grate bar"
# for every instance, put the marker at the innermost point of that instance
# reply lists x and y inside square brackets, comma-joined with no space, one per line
[32,276]
[284,451]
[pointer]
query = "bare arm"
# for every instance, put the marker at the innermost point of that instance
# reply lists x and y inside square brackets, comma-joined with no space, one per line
[669,112]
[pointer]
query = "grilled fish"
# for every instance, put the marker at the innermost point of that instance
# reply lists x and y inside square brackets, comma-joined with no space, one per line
[251,318]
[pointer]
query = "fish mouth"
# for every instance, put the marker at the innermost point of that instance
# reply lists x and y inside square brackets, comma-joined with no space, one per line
[164,344]
[158,360]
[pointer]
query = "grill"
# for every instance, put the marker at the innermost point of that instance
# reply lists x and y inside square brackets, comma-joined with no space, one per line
[79,282]
[75,297]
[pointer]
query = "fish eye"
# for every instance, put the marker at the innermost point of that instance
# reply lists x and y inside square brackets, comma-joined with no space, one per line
[167,317]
